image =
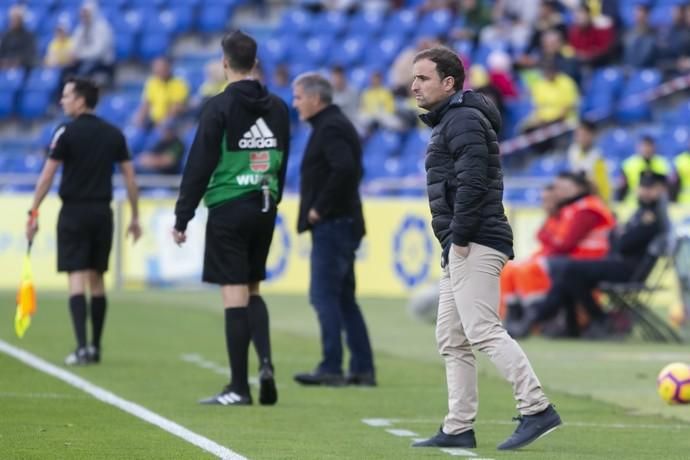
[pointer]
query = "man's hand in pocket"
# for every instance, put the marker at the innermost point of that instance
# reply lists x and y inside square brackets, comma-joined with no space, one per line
[461,251]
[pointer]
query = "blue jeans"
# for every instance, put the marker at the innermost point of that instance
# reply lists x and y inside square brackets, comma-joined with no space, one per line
[332,293]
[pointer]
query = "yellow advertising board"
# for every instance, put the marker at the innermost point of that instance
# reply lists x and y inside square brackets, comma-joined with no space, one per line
[44,250]
[398,253]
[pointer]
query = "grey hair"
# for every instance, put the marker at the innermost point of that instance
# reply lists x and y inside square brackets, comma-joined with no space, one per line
[314,83]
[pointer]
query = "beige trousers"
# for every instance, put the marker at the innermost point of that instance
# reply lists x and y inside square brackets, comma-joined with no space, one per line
[467,319]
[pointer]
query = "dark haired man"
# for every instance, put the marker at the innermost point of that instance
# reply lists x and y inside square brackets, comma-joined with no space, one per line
[465,188]
[237,163]
[87,147]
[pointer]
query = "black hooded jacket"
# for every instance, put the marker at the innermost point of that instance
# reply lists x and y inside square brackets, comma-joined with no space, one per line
[241,144]
[464,175]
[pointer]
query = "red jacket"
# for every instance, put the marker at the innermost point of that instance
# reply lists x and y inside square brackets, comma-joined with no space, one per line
[590,42]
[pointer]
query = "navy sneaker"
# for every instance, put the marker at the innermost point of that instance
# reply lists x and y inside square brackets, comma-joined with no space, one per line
[320,378]
[465,439]
[531,428]
[364,379]
[227,397]
[79,357]
[268,394]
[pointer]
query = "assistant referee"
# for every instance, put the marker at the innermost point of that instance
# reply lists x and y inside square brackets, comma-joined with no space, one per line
[237,163]
[87,148]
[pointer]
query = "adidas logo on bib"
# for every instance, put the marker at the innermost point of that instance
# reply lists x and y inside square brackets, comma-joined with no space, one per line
[259,136]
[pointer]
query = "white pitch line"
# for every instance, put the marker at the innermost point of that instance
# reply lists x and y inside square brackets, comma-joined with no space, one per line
[402,433]
[109,398]
[200,361]
[459,452]
[377,421]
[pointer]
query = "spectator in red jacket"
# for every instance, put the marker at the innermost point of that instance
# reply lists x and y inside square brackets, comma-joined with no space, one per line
[592,40]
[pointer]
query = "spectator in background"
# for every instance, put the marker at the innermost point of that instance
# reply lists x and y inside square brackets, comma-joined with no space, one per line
[60,48]
[477,15]
[681,178]
[499,67]
[344,95]
[585,157]
[549,18]
[593,42]
[94,49]
[552,48]
[509,27]
[640,41]
[555,98]
[164,96]
[673,40]
[683,62]
[17,43]
[377,107]
[166,156]
[646,159]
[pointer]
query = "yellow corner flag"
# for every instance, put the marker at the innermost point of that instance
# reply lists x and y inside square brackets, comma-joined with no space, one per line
[26,298]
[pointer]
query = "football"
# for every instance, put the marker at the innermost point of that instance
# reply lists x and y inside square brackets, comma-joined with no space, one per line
[673,383]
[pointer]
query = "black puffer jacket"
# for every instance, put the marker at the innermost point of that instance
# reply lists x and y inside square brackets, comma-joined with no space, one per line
[464,176]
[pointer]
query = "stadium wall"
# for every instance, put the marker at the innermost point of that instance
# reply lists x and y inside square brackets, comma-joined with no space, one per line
[398,254]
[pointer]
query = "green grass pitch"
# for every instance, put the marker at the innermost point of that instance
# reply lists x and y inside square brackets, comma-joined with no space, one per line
[165,349]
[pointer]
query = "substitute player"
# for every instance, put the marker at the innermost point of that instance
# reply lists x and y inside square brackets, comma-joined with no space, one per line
[86,147]
[237,163]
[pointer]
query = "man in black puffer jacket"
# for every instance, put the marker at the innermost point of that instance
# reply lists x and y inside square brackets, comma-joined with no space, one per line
[465,188]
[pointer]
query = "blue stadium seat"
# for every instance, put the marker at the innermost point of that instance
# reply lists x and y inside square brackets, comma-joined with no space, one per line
[33,17]
[193,75]
[6,102]
[162,22]
[188,3]
[673,140]
[383,142]
[348,52]
[11,79]
[401,22]
[413,151]
[358,77]
[633,107]
[34,103]
[661,15]
[616,144]
[435,23]
[43,78]
[601,93]
[117,108]
[184,17]
[125,46]
[295,21]
[130,22]
[383,52]
[214,17]
[312,51]
[153,45]
[136,137]
[366,23]
[329,23]
[274,49]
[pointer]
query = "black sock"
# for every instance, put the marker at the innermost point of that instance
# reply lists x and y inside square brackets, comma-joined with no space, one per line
[237,338]
[259,326]
[77,308]
[98,307]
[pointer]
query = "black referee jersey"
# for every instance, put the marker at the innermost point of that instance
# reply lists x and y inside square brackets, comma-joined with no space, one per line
[88,148]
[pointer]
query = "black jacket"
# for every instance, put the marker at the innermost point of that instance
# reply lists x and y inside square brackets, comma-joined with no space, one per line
[224,139]
[632,242]
[331,170]
[464,176]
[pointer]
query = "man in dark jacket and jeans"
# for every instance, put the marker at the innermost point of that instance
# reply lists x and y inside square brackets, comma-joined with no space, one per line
[330,207]
[465,188]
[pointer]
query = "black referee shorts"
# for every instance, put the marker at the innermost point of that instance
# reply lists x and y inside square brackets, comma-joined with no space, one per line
[84,236]
[238,237]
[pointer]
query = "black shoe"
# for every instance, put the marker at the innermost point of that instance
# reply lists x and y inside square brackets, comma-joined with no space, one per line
[94,354]
[228,397]
[465,439]
[531,428]
[268,394]
[79,357]
[364,379]
[320,378]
